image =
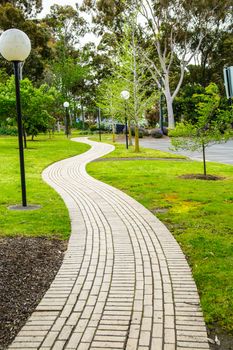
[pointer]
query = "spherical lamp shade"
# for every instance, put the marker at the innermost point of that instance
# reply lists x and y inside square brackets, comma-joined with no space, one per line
[66,104]
[15,45]
[125,94]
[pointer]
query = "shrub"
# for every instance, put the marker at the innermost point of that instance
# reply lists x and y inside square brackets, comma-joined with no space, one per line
[85,132]
[8,130]
[93,127]
[141,132]
[156,133]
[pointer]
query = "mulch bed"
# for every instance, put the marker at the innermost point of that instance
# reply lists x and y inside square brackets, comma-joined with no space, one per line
[27,268]
[201,177]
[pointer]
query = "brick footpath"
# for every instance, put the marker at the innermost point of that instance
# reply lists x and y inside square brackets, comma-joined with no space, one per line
[124,282]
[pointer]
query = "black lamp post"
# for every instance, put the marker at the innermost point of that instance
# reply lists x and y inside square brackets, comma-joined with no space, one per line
[125,95]
[99,121]
[67,120]
[15,47]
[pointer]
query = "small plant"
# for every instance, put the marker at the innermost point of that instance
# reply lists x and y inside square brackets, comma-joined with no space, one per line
[213,125]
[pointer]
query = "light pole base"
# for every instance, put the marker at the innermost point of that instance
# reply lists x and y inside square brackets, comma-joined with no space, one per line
[20,207]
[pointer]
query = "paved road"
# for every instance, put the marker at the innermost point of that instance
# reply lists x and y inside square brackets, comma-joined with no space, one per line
[222,153]
[124,282]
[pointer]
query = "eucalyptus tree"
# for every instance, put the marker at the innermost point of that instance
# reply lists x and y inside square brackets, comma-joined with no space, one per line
[66,70]
[29,8]
[178,30]
[174,31]
[12,16]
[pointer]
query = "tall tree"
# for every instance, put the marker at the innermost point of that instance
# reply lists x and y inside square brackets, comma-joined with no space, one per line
[29,7]
[130,70]
[38,34]
[174,31]
[67,70]
[178,30]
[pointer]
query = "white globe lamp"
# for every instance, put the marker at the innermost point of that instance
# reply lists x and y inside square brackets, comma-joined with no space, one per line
[66,104]
[125,94]
[15,45]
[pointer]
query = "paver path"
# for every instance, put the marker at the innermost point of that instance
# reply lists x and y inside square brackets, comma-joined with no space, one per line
[124,282]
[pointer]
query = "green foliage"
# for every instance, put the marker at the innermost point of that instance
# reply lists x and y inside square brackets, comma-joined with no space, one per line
[213,125]
[8,130]
[13,15]
[67,74]
[38,105]
[184,104]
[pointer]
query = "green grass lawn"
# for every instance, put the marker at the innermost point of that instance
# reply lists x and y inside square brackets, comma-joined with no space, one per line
[52,219]
[199,213]
[122,152]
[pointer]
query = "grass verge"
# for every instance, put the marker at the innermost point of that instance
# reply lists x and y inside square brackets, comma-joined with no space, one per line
[52,219]
[197,212]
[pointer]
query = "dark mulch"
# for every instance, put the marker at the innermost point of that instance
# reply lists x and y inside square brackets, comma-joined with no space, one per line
[201,177]
[220,340]
[27,268]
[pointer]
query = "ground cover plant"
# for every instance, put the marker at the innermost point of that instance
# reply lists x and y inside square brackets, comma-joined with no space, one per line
[198,213]
[52,219]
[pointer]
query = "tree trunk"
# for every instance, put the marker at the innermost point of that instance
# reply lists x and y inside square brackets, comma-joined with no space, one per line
[136,142]
[171,122]
[130,133]
[204,161]
[24,138]
[113,132]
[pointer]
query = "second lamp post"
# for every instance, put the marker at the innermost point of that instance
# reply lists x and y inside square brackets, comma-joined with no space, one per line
[125,95]
[67,120]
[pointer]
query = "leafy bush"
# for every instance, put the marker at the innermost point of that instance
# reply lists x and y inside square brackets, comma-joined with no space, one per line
[85,132]
[8,130]
[93,127]
[79,125]
[156,133]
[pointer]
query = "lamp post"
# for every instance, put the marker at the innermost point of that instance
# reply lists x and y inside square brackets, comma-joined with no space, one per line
[15,47]
[99,121]
[67,121]
[125,95]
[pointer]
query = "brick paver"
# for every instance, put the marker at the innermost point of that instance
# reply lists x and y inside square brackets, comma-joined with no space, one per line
[124,282]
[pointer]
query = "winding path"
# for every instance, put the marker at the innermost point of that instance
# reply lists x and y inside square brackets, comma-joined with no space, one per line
[124,282]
